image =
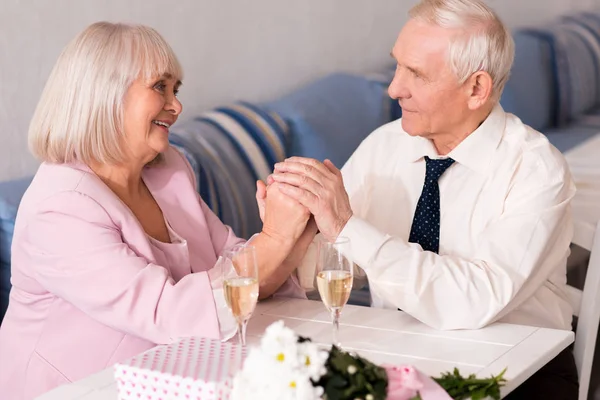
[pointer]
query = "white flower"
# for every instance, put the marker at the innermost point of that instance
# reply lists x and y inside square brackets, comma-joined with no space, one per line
[351,369]
[312,359]
[280,368]
[264,383]
[257,363]
[280,385]
[277,333]
[302,388]
[281,345]
[286,356]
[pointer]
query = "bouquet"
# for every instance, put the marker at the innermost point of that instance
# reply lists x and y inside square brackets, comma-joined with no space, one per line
[288,366]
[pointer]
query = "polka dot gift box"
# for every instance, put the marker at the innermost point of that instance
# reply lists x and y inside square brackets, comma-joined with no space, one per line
[191,369]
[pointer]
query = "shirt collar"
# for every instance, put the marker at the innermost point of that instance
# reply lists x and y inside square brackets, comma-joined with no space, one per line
[475,151]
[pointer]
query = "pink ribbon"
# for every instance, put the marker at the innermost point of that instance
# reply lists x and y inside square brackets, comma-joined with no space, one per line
[404,382]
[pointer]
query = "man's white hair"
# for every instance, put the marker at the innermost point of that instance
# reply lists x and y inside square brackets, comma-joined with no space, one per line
[484,44]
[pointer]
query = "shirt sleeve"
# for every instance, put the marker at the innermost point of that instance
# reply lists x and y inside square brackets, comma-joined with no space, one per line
[78,254]
[221,271]
[515,255]
[307,270]
[353,178]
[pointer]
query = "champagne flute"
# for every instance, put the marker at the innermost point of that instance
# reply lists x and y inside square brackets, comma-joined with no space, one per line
[334,278]
[241,290]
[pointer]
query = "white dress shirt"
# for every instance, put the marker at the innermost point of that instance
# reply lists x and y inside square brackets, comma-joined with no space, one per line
[505,226]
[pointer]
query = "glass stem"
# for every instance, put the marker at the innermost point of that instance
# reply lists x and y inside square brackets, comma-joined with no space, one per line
[335,317]
[242,332]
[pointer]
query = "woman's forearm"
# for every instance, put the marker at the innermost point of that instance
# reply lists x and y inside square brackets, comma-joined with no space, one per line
[294,259]
[271,252]
[273,269]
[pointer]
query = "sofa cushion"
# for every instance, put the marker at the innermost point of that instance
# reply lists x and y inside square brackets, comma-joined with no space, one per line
[590,119]
[566,138]
[588,20]
[330,117]
[229,148]
[530,91]
[584,56]
[11,193]
[574,65]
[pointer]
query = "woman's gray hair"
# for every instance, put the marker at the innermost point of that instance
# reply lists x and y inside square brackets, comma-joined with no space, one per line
[79,116]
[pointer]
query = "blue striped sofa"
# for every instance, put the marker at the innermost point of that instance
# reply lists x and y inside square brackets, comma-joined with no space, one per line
[555,81]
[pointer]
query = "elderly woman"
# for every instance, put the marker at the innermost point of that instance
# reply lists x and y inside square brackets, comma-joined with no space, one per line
[113,250]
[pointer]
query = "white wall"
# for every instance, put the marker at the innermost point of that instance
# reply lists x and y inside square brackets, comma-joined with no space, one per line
[230,49]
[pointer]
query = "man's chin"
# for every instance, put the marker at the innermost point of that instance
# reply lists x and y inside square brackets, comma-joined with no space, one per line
[410,129]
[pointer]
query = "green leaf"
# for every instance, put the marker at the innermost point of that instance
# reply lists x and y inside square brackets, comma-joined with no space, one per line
[338,383]
[459,387]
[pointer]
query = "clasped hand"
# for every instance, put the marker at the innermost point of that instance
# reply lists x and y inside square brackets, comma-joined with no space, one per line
[316,186]
[284,218]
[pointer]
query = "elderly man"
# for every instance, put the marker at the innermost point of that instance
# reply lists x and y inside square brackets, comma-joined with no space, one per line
[458,213]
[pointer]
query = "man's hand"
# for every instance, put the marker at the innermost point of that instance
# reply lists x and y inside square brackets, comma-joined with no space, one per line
[320,188]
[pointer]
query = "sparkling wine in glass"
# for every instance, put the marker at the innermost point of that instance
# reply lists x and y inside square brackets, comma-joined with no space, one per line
[241,291]
[334,278]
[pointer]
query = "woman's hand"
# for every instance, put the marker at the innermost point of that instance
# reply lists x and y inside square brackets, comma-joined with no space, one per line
[288,230]
[261,199]
[261,196]
[284,219]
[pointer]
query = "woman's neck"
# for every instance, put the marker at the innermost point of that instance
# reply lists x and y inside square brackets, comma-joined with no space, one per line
[124,180]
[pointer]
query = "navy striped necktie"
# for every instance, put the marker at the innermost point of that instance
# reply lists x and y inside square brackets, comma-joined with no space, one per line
[425,228]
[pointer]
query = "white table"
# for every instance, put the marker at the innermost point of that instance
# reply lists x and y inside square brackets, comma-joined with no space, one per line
[387,336]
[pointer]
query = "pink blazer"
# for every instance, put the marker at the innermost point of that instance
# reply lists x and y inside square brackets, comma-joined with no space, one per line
[87,290]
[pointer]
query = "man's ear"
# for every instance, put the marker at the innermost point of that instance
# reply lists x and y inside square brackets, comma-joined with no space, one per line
[480,88]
